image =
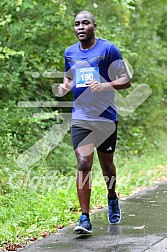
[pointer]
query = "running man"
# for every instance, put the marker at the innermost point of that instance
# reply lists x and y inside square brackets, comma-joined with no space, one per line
[94,70]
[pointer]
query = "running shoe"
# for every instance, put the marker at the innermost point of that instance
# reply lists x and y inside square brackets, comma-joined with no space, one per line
[84,226]
[114,211]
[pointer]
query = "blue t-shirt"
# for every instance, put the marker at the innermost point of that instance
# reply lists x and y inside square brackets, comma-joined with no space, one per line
[101,62]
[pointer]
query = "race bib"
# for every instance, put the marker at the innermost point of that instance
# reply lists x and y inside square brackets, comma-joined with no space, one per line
[86,74]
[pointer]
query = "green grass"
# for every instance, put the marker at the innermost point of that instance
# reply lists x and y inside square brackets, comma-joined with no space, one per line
[27,213]
[41,199]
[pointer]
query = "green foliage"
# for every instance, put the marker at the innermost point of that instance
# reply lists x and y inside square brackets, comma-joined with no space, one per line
[35,213]
[34,35]
[40,27]
[34,201]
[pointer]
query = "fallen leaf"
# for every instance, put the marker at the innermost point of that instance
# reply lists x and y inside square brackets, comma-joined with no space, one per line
[33,239]
[12,247]
[45,234]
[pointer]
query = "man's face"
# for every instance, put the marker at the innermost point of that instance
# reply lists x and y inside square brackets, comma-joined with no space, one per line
[84,27]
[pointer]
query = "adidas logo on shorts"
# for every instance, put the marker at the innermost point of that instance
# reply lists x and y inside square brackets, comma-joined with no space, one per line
[109,149]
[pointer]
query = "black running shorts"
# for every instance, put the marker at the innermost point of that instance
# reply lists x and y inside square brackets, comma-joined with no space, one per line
[102,134]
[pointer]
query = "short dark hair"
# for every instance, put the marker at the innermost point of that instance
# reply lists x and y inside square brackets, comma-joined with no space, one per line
[89,13]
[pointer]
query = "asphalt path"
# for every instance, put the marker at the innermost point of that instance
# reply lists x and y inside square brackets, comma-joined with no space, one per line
[143,228]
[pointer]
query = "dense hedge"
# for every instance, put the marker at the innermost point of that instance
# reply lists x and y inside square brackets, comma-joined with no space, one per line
[34,35]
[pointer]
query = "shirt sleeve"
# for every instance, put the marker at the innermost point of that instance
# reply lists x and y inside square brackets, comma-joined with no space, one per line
[68,72]
[114,54]
[117,68]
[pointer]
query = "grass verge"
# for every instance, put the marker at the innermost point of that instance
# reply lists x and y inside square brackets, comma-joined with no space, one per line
[33,204]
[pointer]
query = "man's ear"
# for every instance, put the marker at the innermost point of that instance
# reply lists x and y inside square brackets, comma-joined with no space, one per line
[95,25]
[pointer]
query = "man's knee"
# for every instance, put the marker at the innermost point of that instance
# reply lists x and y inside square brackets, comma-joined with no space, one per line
[84,165]
[107,167]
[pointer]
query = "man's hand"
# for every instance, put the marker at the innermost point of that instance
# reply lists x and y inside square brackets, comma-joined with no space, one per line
[121,83]
[95,86]
[63,89]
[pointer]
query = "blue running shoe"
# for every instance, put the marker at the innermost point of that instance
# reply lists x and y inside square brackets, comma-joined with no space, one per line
[114,211]
[84,226]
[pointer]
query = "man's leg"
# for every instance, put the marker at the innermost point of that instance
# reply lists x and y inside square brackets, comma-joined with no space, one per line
[83,182]
[84,155]
[107,132]
[109,173]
